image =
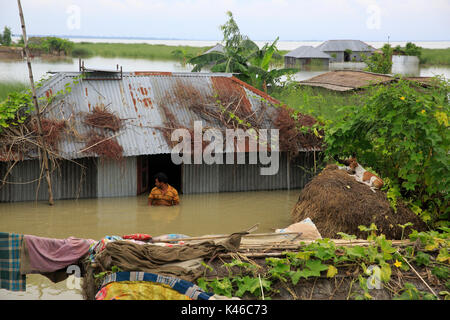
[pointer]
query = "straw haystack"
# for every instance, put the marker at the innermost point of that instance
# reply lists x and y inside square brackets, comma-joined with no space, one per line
[336,202]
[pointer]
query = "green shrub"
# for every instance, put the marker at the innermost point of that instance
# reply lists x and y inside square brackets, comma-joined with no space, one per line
[402,132]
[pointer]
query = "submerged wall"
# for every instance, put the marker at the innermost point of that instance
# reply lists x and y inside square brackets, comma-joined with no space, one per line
[117,179]
[405,65]
[69,181]
[105,178]
[202,178]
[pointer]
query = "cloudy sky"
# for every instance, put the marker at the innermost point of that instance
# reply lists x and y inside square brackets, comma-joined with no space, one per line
[370,20]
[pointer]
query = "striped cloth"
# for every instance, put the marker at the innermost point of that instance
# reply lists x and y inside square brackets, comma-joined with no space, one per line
[182,286]
[10,276]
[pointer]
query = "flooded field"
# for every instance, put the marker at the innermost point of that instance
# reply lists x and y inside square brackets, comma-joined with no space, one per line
[200,214]
[17,71]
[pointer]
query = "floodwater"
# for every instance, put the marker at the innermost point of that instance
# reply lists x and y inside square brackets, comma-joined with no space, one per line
[16,70]
[200,214]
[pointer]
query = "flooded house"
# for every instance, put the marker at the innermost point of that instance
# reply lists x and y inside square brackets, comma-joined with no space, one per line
[148,106]
[306,56]
[346,50]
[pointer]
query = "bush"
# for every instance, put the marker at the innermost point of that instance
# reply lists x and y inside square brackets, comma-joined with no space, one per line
[379,62]
[5,38]
[409,50]
[402,132]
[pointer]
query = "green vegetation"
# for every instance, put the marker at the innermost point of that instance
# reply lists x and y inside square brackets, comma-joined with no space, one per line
[243,57]
[379,62]
[49,45]
[9,87]
[401,132]
[435,57]
[321,103]
[365,267]
[135,51]
[15,109]
[5,37]
[410,49]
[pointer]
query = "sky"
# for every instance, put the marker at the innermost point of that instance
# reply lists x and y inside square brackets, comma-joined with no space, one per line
[296,20]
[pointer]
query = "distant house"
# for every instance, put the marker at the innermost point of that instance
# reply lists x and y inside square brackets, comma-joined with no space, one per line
[149,103]
[217,48]
[346,50]
[306,55]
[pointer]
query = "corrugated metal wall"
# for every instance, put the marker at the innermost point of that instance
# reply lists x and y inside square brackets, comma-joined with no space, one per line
[302,169]
[113,179]
[69,181]
[117,179]
[203,178]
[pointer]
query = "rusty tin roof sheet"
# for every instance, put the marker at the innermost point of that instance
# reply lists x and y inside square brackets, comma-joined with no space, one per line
[139,98]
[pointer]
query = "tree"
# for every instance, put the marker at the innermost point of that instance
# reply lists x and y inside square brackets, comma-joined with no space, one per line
[5,38]
[379,62]
[183,55]
[260,75]
[410,50]
[234,59]
[241,56]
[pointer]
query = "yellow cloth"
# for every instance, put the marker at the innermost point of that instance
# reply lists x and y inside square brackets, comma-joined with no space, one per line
[141,290]
[169,198]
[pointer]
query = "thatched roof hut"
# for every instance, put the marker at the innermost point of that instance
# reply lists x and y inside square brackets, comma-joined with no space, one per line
[336,202]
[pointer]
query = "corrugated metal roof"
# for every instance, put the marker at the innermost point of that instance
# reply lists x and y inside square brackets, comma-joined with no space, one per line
[142,99]
[342,45]
[307,52]
[217,48]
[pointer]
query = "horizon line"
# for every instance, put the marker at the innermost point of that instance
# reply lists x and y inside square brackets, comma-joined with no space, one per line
[185,39]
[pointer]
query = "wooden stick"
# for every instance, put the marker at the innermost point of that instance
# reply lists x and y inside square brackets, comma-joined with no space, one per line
[420,277]
[104,140]
[226,236]
[36,105]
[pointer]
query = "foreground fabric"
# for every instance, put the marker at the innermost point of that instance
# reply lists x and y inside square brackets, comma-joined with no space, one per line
[148,286]
[130,256]
[10,276]
[44,255]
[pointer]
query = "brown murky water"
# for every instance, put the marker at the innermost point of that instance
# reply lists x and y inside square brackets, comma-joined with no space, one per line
[95,218]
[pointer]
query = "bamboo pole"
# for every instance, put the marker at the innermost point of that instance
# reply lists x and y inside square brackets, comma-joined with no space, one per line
[255,235]
[36,105]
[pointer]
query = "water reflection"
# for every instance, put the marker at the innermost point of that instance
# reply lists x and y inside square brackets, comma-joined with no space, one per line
[218,213]
[196,215]
[17,70]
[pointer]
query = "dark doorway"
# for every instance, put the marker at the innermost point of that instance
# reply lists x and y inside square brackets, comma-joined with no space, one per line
[148,166]
[347,55]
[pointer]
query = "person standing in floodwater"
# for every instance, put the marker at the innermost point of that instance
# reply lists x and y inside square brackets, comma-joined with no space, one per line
[163,194]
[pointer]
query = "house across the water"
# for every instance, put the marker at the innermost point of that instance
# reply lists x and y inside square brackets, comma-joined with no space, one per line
[149,104]
[306,56]
[346,50]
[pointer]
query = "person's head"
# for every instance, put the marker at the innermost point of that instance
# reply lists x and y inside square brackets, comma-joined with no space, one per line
[161,179]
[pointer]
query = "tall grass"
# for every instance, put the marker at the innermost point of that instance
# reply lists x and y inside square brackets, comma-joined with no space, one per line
[321,103]
[133,50]
[10,86]
[435,57]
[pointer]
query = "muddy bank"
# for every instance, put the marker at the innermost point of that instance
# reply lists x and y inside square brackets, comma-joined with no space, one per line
[17,53]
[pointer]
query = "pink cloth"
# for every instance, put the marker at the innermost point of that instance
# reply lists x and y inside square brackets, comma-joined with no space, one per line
[48,255]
